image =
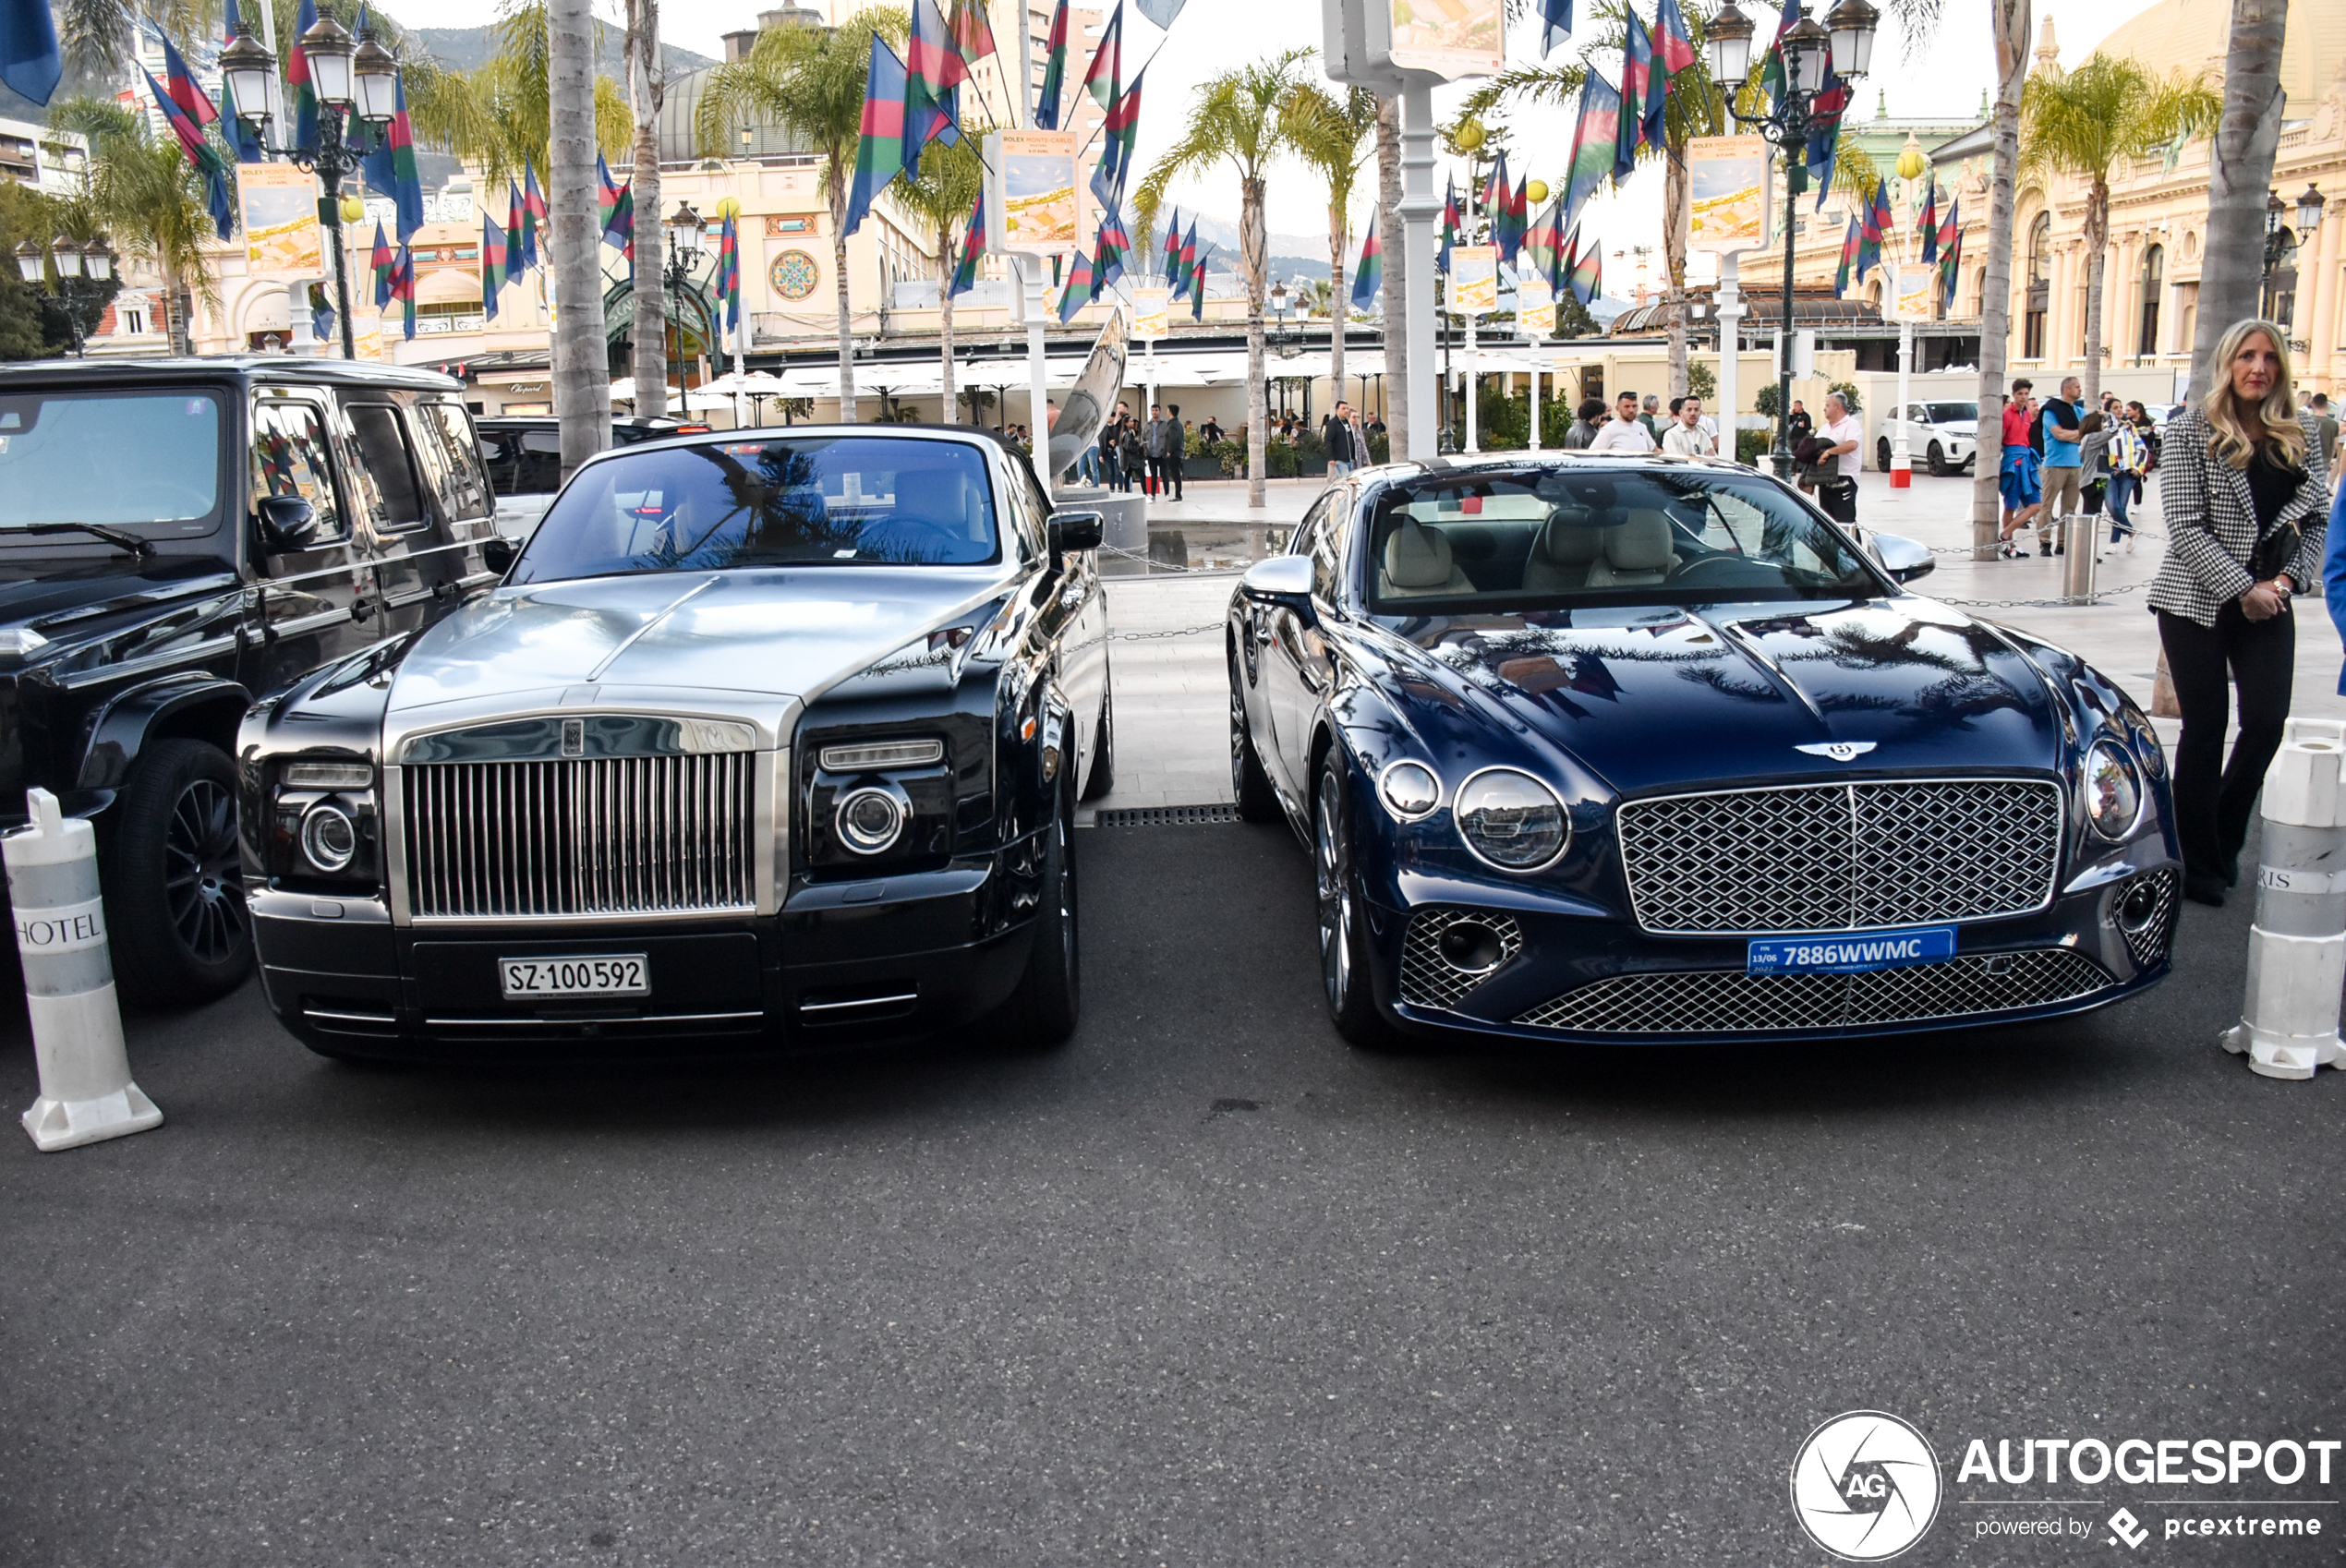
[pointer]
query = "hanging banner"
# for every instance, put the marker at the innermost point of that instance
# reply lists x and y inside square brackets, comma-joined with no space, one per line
[1151,304]
[1911,293]
[1450,39]
[1727,181]
[1535,307]
[284,241]
[1474,280]
[1030,194]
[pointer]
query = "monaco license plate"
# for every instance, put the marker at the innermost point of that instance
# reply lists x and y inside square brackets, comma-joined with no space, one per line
[1851,953]
[599,974]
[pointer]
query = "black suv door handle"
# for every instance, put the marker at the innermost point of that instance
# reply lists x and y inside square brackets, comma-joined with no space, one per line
[359,609]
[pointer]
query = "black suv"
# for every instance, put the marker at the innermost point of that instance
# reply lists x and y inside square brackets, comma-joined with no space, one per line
[524,456]
[178,537]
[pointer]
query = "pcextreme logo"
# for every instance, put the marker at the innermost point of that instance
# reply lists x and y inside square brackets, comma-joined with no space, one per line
[1864,1486]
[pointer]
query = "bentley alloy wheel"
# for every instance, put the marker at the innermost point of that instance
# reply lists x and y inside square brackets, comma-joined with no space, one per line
[1343,973]
[1250,786]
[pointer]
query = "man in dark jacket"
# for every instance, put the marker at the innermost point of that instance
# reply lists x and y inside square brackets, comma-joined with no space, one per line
[1347,443]
[1165,448]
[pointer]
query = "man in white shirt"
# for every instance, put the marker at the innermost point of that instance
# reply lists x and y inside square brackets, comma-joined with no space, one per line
[1625,431]
[1686,435]
[1844,436]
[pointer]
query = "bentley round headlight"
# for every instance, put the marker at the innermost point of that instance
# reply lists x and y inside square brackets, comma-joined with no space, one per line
[2113,790]
[870,819]
[1511,820]
[1409,789]
[329,839]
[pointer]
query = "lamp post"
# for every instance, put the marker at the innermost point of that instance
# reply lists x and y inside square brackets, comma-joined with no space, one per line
[2279,241]
[75,262]
[1844,43]
[352,79]
[686,230]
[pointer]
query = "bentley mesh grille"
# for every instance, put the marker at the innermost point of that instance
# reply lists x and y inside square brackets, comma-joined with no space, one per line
[1730,1002]
[590,836]
[2148,944]
[1429,980]
[1842,857]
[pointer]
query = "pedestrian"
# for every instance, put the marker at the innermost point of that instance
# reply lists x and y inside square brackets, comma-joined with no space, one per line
[1650,416]
[1132,452]
[2129,459]
[2093,452]
[2017,476]
[2327,422]
[1798,425]
[1165,448]
[2061,422]
[1686,435]
[1837,484]
[2244,498]
[1625,431]
[1111,458]
[1212,431]
[1347,441]
[1584,426]
[1088,465]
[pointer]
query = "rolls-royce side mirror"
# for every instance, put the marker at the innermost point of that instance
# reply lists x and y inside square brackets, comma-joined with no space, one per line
[287,523]
[497,554]
[1283,579]
[1077,530]
[1903,557]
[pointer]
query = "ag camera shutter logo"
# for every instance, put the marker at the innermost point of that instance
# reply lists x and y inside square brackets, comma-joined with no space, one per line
[1866,1486]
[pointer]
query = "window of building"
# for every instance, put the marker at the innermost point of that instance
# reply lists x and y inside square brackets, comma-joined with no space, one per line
[134,319]
[2032,320]
[2154,279]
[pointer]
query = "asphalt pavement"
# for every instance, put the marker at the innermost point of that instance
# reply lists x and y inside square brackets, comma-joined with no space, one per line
[1202,1286]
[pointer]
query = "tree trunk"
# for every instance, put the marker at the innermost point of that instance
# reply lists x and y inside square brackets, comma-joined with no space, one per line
[1677,193]
[1392,234]
[944,322]
[581,384]
[643,91]
[1339,300]
[840,176]
[2232,274]
[2096,258]
[2008,20]
[1254,255]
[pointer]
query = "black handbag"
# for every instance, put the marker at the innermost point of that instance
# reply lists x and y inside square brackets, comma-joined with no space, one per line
[2274,551]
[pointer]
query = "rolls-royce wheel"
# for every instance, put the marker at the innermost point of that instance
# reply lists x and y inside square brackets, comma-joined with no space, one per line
[1938,460]
[1344,947]
[1250,786]
[175,890]
[1882,449]
[1103,778]
[1041,1011]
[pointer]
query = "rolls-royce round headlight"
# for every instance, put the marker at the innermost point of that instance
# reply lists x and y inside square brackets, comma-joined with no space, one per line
[870,819]
[2113,790]
[329,839]
[1409,789]
[1511,820]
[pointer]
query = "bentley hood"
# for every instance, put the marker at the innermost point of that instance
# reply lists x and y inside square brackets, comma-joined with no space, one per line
[1653,698]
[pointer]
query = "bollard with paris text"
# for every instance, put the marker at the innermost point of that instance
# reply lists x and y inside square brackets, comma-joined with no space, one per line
[85,1093]
[2297,949]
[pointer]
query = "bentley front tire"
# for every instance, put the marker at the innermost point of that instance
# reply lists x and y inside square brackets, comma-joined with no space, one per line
[1250,786]
[1103,778]
[1041,1011]
[174,884]
[1344,948]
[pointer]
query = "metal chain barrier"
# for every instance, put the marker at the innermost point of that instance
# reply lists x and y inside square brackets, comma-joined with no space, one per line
[1166,568]
[1155,636]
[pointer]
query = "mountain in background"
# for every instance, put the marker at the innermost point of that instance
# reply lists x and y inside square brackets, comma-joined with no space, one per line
[1292,255]
[468,48]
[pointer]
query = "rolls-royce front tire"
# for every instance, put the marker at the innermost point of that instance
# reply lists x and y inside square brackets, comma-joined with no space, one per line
[1041,1011]
[174,884]
[1250,786]
[1344,949]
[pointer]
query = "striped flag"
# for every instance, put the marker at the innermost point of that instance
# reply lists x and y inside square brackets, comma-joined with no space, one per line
[301,93]
[1046,102]
[1105,80]
[1540,244]
[1673,44]
[384,262]
[879,155]
[973,34]
[403,287]
[1370,275]
[728,282]
[1197,275]
[1824,132]
[185,89]
[513,221]
[972,249]
[1079,288]
[1592,140]
[1929,226]
[1556,24]
[1192,275]
[1850,244]
[1950,254]
[1173,251]
[1519,218]
[1498,199]
[391,167]
[1452,222]
[201,154]
[1873,227]
[493,264]
[1120,131]
[1630,125]
[241,141]
[533,211]
[1585,275]
[933,69]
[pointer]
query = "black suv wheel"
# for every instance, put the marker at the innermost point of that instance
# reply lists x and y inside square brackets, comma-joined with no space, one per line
[174,884]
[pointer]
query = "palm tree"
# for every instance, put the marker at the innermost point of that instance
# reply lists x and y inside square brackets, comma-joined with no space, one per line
[809,81]
[1333,139]
[643,90]
[147,195]
[99,37]
[582,356]
[941,194]
[2008,23]
[1394,238]
[2081,122]
[2231,269]
[501,115]
[1236,116]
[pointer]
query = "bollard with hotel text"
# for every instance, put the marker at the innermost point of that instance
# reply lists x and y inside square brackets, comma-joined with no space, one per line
[85,1093]
[2297,949]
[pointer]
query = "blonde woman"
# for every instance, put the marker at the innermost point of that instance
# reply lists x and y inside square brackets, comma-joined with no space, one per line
[2244,489]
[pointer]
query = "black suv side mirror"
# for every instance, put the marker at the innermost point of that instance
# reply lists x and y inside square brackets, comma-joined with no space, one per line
[287,523]
[497,554]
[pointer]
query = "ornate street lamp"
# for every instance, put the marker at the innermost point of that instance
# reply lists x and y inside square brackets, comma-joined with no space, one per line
[352,79]
[686,230]
[93,263]
[1845,44]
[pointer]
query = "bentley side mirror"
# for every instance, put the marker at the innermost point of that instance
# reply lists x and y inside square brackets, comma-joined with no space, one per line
[1077,530]
[497,554]
[287,523]
[1903,559]
[1282,580]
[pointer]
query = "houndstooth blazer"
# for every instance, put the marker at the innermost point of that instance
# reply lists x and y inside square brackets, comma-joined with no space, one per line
[2211,521]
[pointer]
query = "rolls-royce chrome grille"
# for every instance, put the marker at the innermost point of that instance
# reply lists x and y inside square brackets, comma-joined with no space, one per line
[1842,857]
[589,836]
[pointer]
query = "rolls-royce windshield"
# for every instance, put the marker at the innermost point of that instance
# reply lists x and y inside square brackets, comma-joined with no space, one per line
[817,501]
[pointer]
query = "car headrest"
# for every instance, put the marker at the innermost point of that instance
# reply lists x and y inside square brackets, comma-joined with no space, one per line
[1568,539]
[1468,542]
[1640,542]
[1416,557]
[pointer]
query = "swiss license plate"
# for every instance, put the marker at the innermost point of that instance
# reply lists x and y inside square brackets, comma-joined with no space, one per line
[600,974]
[1853,952]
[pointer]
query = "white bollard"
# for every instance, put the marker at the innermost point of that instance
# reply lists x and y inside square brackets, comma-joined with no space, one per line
[85,1093]
[2297,947]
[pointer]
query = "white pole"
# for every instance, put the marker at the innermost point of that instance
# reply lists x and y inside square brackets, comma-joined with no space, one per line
[1472,445]
[1535,396]
[1902,475]
[1730,315]
[740,330]
[1038,403]
[1420,210]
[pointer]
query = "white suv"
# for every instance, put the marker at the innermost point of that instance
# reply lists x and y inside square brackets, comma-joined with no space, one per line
[1940,437]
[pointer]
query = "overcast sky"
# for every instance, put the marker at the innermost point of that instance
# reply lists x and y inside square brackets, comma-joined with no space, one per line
[1943,78]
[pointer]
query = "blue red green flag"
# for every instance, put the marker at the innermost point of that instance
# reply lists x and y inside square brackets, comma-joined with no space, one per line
[1369,276]
[403,288]
[1929,226]
[185,89]
[1950,255]
[1105,80]
[1630,125]
[1518,217]
[933,69]
[973,34]
[512,232]
[1592,143]
[1119,132]
[391,167]
[301,93]
[493,264]
[533,211]
[879,154]
[1850,244]
[1451,223]
[1110,245]
[728,282]
[972,249]
[382,261]
[1173,250]
[1197,275]
[1585,275]
[1079,288]
[1873,228]
[1192,275]
[1673,44]
[201,154]
[1541,245]
[1824,132]
[1054,89]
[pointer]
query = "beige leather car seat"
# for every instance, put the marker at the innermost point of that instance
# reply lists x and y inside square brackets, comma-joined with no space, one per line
[1561,556]
[1637,553]
[1416,563]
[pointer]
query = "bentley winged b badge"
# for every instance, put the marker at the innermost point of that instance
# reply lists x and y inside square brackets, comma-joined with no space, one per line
[1840,751]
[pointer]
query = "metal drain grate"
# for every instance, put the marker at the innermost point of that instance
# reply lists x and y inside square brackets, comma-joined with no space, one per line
[1165,816]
